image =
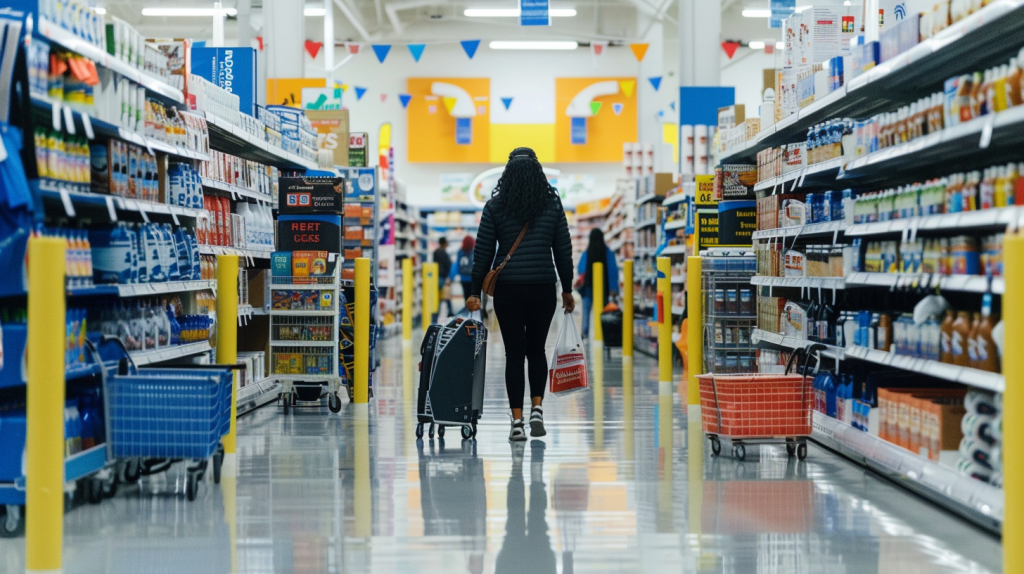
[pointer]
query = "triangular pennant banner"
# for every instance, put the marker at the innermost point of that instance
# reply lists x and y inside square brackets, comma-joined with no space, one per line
[449,104]
[627,87]
[404,98]
[656,82]
[598,48]
[417,51]
[672,106]
[353,47]
[617,108]
[383,97]
[470,47]
[344,87]
[507,102]
[360,92]
[313,48]
[594,108]
[730,48]
[639,50]
[259,40]
[382,51]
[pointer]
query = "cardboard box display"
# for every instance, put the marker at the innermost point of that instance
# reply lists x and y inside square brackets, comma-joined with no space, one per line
[302,195]
[332,127]
[664,183]
[309,233]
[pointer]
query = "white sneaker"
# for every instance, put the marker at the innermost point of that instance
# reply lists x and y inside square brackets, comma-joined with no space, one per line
[537,422]
[517,433]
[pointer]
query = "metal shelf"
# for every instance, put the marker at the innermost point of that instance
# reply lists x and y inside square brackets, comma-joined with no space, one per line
[821,174]
[807,230]
[277,343]
[965,46]
[746,153]
[964,283]
[981,503]
[809,282]
[143,289]
[55,33]
[255,395]
[976,378]
[761,336]
[951,222]
[237,192]
[169,353]
[674,250]
[676,224]
[76,196]
[646,198]
[226,137]
[225,250]
[292,313]
[674,199]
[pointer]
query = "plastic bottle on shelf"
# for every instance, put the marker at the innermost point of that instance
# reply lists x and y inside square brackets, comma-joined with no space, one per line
[140,273]
[972,348]
[987,353]
[961,331]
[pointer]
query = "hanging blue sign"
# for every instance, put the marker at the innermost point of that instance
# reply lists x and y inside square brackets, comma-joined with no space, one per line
[578,131]
[463,131]
[781,9]
[233,69]
[535,13]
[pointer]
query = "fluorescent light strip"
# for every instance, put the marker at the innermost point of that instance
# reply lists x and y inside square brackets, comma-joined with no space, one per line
[513,12]
[188,12]
[537,45]
[765,12]
[314,11]
[759,45]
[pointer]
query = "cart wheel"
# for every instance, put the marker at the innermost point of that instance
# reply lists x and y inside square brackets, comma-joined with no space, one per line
[467,432]
[790,447]
[131,471]
[716,446]
[218,462]
[286,402]
[351,393]
[12,521]
[110,488]
[801,451]
[419,430]
[94,490]
[430,432]
[474,429]
[440,431]
[191,486]
[740,452]
[334,403]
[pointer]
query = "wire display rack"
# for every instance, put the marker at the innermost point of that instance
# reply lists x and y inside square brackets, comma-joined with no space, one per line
[305,337]
[730,311]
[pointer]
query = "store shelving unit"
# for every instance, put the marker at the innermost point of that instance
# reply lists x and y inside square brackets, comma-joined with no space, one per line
[990,35]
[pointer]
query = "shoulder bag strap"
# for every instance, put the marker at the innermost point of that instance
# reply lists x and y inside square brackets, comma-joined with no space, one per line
[514,247]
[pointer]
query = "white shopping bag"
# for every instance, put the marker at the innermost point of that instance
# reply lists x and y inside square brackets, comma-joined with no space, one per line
[568,365]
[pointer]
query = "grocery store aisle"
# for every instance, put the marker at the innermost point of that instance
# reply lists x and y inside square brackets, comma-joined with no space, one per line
[611,489]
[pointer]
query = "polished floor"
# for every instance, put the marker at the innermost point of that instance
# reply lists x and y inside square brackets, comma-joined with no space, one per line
[622,483]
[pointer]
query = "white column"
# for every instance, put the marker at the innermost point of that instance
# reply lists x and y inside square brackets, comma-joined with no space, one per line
[649,100]
[218,25]
[284,38]
[329,40]
[244,8]
[700,31]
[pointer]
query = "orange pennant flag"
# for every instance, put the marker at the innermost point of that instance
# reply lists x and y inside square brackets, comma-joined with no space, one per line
[639,50]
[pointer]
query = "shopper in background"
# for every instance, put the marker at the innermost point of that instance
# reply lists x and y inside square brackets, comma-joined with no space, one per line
[444,268]
[524,203]
[462,269]
[597,252]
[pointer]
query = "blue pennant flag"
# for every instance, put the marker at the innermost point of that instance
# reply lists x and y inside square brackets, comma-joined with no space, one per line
[672,105]
[360,92]
[382,51]
[417,51]
[656,82]
[470,47]
[405,99]
[507,102]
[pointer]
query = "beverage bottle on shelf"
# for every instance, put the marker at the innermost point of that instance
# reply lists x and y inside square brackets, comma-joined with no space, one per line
[829,386]
[972,349]
[961,331]
[248,221]
[985,346]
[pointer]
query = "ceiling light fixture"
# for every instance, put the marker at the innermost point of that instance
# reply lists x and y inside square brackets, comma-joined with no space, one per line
[314,11]
[513,12]
[188,12]
[765,12]
[535,45]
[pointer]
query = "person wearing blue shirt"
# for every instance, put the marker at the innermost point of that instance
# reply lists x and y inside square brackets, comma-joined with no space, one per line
[462,270]
[597,251]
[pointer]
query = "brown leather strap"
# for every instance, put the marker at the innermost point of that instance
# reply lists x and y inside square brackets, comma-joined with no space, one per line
[513,250]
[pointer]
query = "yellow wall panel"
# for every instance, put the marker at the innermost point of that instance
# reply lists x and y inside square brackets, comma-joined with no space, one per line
[606,132]
[670,135]
[431,129]
[288,91]
[507,137]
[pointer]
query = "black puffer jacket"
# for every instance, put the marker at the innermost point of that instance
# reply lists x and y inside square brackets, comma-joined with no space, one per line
[545,248]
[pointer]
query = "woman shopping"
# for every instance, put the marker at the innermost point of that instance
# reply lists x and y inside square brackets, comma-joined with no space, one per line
[523,247]
[597,252]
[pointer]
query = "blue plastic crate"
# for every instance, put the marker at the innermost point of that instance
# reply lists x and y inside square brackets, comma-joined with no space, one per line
[226,382]
[179,414]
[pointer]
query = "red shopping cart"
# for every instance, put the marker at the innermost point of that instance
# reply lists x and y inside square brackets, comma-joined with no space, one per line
[756,409]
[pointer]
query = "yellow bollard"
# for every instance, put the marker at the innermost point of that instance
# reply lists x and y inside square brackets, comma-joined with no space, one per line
[665,326]
[227,335]
[361,392]
[429,292]
[695,329]
[597,367]
[407,297]
[1013,371]
[628,438]
[362,494]
[627,310]
[44,441]
[597,292]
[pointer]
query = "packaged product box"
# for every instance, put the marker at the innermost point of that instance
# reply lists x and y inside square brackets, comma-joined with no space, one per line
[358,149]
[309,233]
[231,68]
[753,127]
[362,184]
[730,116]
[353,210]
[282,300]
[735,181]
[101,159]
[896,39]
[300,195]
[353,233]
[940,425]
[259,288]
[332,127]
[664,183]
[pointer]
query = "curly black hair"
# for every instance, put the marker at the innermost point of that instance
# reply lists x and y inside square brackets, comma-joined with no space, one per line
[523,191]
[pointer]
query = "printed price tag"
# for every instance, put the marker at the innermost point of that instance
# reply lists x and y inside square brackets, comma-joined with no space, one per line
[65,198]
[55,116]
[87,124]
[986,132]
[69,120]
[142,212]
[174,216]
[110,208]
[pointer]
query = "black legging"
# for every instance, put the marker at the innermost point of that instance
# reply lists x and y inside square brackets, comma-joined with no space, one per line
[524,316]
